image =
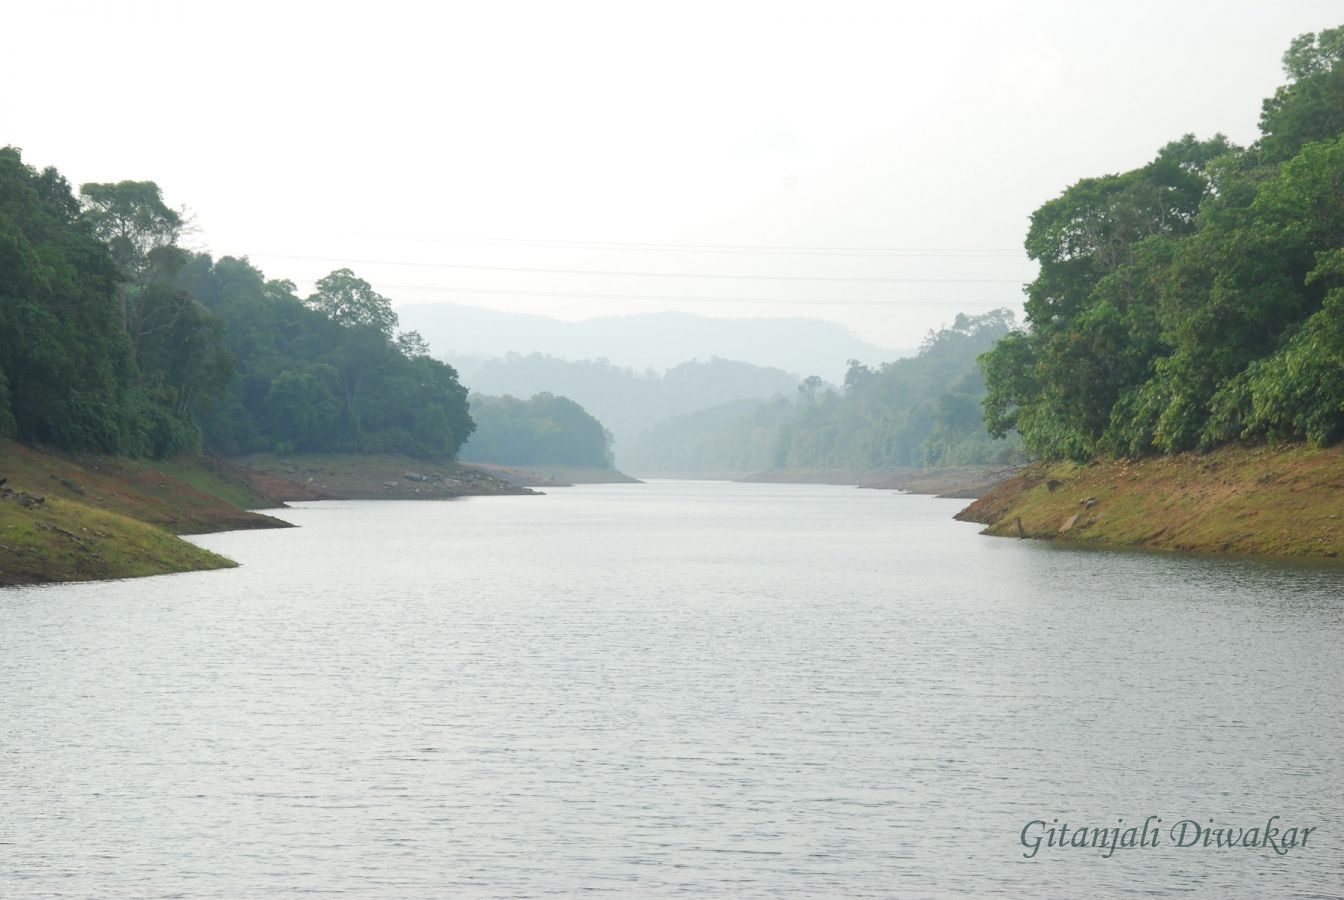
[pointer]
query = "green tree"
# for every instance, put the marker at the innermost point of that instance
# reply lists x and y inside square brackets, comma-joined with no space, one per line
[412,345]
[351,301]
[306,381]
[1184,304]
[141,232]
[1310,107]
[65,364]
[545,429]
[184,361]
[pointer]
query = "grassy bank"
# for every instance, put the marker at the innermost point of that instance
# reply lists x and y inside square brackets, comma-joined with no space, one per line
[1279,502]
[67,517]
[62,540]
[76,518]
[184,496]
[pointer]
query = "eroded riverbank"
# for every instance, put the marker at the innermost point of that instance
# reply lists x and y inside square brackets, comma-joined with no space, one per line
[1244,501]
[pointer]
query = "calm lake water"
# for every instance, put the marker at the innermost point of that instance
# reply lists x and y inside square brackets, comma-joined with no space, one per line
[691,689]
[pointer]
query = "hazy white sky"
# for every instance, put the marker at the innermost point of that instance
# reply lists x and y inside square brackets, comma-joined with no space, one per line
[380,134]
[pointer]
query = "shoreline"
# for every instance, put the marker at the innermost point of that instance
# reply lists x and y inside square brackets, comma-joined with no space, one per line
[332,476]
[1235,501]
[957,482]
[554,476]
[71,517]
[67,518]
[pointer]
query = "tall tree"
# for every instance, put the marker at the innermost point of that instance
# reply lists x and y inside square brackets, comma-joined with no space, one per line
[1165,293]
[309,381]
[1310,107]
[349,300]
[66,372]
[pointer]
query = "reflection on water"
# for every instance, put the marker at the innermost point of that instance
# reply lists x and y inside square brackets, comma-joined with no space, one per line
[690,688]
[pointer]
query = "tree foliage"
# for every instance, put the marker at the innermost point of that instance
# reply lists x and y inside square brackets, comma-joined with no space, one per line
[138,228]
[1188,302]
[545,429]
[349,300]
[114,339]
[313,381]
[66,373]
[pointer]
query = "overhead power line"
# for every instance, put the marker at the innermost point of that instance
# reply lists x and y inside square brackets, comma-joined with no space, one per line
[751,249]
[686,299]
[632,274]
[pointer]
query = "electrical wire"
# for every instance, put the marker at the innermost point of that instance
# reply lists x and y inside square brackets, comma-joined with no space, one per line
[631,274]
[749,249]
[687,299]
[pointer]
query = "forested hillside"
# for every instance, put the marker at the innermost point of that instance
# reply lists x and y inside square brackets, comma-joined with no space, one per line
[1197,300]
[114,339]
[322,374]
[88,349]
[740,436]
[545,429]
[917,411]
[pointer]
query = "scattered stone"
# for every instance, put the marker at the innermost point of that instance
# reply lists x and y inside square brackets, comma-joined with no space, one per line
[1069,523]
[1052,484]
[68,484]
[413,476]
[1089,502]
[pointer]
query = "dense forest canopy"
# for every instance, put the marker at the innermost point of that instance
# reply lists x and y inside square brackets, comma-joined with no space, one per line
[918,411]
[96,353]
[114,339]
[1194,301]
[322,373]
[544,430]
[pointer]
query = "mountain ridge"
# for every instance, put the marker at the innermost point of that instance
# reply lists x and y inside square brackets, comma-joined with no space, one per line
[655,340]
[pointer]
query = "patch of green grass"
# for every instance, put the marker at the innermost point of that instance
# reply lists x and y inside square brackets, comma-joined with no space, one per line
[213,481]
[62,540]
[1254,501]
[186,496]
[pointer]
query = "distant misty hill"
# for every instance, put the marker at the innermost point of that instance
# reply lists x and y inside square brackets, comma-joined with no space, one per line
[920,411]
[627,402]
[644,341]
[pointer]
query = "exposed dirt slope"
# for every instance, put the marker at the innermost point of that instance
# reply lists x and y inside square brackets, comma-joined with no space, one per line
[1270,502]
[75,518]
